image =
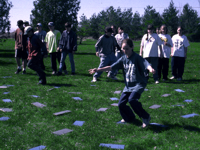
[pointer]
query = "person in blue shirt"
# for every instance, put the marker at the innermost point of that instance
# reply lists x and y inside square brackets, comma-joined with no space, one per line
[133,66]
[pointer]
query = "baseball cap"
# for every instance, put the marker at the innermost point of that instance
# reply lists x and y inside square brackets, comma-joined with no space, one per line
[19,22]
[39,24]
[150,26]
[27,29]
[50,24]
[26,22]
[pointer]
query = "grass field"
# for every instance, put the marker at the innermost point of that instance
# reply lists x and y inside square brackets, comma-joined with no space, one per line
[30,126]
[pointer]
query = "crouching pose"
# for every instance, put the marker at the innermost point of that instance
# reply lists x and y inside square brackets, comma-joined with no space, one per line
[133,67]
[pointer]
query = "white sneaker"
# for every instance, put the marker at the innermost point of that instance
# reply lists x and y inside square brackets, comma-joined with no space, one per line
[94,79]
[157,82]
[172,78]
[123,120]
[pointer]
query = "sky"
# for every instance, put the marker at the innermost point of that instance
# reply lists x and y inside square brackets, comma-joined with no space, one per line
[22,8]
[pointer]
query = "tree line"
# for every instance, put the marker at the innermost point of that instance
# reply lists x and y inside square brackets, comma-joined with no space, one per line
[136,25]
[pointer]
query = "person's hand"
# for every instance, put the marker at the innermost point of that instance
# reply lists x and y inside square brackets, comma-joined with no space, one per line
[165,43]
[60,50]
[97,54]
[141,54]
[152,70]
[171,55]
[91,71]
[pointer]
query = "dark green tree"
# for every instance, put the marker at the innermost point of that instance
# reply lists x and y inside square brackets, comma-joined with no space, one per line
[170,18]
[5,6]
[151,17]
[190,22]
[136,27]
[57,11]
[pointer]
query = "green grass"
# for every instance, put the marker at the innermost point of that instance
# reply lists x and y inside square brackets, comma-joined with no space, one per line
[30,126]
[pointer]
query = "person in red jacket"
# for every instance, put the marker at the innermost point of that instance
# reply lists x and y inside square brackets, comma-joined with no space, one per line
[35,51]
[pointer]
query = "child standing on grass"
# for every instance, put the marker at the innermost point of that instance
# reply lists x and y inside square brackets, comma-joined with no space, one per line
[163,63]
[179,54]
[149,48]
[133,67]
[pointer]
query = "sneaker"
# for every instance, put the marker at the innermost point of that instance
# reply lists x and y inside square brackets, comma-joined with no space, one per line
[179,79]
[24,72]
[94,79]
[42,82]
[123,121]
[59,73]
[172,78]
[54,73]
[65,71]
[157,82]
[145,122]
[18,70]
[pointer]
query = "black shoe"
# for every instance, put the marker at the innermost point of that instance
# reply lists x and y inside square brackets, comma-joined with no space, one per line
[73,73]
[24,72]
[43,82]
[18,70]
[59,73]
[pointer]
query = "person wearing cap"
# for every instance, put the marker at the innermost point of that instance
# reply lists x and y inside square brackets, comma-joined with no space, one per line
[26,23]
[52,43]
[20,47]
[41,34]
[133,67]
[149,49]
[36,49]
[179,54]
[105,49]
[67,45]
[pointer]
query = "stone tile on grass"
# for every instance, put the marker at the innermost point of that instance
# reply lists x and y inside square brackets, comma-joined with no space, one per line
[114,98]
[189,115]
[34,96]
[63,131]
[179,90]
[7,100]
[117,92]
[77,98]
[114,104]
[62,112]
[102,109]
[166,95]
[5,109]
[78,123]
[38,147]
[4,118]
[37,104]
[188,100]
[157,124]
[3,87]
[6,92]
[155,106]
[112,146]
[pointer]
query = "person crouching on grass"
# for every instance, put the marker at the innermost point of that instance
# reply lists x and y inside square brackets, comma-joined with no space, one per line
[36,49]
[133,67]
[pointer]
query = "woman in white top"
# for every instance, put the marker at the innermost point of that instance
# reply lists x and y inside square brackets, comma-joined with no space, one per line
[163,63]
[149,48]
[179,54]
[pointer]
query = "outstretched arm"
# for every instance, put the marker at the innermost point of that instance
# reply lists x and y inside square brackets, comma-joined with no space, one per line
[151,69]
[107,68]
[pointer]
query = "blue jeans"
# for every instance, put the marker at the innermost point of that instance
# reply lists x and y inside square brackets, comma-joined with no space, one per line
[154,64]
[71,59]
[177,64]
[106,61]
[126,112]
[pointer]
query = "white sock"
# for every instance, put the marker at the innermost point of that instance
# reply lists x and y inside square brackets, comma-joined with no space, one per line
[24,69]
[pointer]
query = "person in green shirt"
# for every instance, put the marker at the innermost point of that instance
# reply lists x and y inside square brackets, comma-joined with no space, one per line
[133,66]
[52,42]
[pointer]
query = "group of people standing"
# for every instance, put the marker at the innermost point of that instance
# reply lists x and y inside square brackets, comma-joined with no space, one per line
[34,46]
[156,50]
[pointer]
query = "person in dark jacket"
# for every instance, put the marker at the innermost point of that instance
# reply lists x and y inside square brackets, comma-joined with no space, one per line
[35,51]
[67,45]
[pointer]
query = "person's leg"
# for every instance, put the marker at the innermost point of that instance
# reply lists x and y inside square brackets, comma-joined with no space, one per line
[154,63]
[112,59]
[42,63]
[125,111]
[137,106]
[147,71]
[181,64]
[174,66]
[17,58]
[71,59]
[160,65]
[62,61]
[165,68]
[34,65]
[53,61]
[104,61]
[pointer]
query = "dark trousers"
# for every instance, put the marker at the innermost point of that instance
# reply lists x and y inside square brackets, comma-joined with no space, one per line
[42,63]
[177,64]
[163,66]
[54,56]
[126,112]
[35,65]
[154,64]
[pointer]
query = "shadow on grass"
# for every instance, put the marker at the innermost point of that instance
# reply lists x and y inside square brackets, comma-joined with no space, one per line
[6,63]
[7,53]
[190,81]
[85,54]
[60,85]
